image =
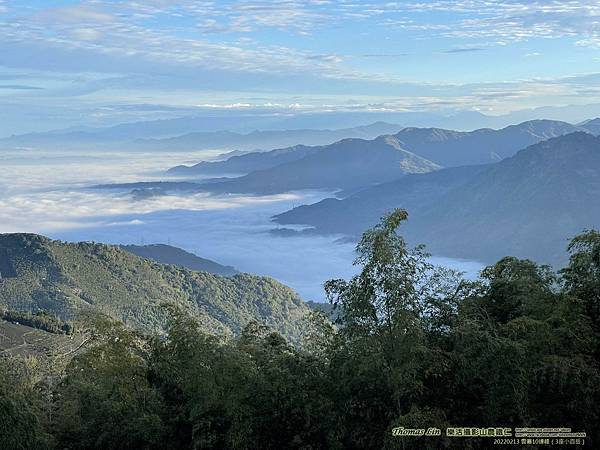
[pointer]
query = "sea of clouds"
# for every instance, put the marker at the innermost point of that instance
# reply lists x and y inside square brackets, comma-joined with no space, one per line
[51,194]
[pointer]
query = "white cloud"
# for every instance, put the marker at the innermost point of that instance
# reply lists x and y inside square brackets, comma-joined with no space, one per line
[56,210]
[77,14]
[327,58]
[206,53]
[503,22]
[592,41]
[86,34]
[40,192]
[284,15]
[117,30]
[120,29]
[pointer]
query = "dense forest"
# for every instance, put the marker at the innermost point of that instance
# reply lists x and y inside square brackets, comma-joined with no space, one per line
[71,280]
[412,345]
[40,320]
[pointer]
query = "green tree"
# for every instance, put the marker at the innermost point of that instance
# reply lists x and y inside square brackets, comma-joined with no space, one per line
[521,352]
[203,380]
[21,424]
[386,311]
[105,400]
[582,275]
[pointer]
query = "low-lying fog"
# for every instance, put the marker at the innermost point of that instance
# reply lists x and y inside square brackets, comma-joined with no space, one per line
[48,193]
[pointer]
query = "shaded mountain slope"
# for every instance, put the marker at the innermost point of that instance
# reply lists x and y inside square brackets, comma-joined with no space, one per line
[362,210]
[347,164]
[528,205]
[446,148]
[592,126]
[244,164]
[453,148]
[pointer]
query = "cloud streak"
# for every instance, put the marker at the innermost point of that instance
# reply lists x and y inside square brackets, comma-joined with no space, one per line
[464,50]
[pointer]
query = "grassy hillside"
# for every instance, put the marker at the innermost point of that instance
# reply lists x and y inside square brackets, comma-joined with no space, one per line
[70,279]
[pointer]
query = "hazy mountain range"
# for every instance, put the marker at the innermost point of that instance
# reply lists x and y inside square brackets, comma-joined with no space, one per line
[246,163]
[453,148]
[446,148]
[527,205]
[264,139]
[166,136]
[472,195]
[252,132]
[249,120]
[353,164]
[347,164]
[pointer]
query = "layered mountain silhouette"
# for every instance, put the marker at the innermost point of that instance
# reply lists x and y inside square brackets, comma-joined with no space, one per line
[243,164]
[527,205]
[446,148]
[189,134]
[453,148]
[347,164]
[265,139]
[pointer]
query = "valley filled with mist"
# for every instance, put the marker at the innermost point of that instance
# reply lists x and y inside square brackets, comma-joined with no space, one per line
[253,210]
[50,193]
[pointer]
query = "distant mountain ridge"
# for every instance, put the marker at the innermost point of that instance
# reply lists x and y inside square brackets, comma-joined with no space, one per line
[352,164]
[527,205]
[235,132]
[346,164]
[592,126]
[446,148]
[265,140]
[167,254]
[68,280]
[243,164]
[167,136]
[450,148]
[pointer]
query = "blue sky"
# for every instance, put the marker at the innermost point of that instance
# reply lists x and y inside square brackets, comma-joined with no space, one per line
[99,62]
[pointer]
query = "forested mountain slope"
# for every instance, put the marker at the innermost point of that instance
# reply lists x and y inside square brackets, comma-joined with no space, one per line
[70,279]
